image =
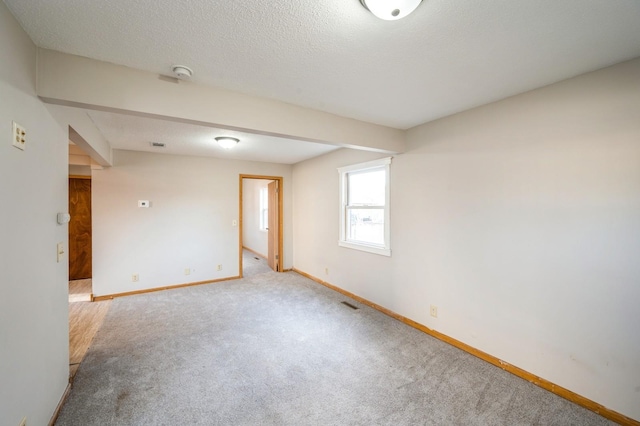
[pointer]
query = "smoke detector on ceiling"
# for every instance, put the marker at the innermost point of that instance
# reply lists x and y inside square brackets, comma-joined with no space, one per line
[182,72]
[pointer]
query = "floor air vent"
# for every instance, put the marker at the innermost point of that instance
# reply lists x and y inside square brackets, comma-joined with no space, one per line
[350,305]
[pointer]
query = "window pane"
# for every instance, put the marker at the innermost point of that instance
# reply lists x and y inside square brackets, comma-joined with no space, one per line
[367,188]
[365,225]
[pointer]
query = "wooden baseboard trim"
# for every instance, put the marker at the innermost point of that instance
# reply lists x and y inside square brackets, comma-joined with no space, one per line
[254,252]
[56,413]
[517,371]
[152,290]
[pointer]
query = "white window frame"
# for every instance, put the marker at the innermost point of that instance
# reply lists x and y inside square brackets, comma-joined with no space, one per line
[381,249]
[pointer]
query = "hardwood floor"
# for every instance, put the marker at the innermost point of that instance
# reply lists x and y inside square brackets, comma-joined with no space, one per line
[85,318]
[80,290]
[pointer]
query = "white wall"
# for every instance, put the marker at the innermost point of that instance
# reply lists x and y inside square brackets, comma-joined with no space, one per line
[520,220]
[83,133]
[189,224]
[79,170]
[252,236]
[34,334]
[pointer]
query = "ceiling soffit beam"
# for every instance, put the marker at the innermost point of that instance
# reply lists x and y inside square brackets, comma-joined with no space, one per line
[84,133]
[71,80]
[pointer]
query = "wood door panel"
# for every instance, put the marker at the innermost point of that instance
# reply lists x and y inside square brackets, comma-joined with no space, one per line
[80,255]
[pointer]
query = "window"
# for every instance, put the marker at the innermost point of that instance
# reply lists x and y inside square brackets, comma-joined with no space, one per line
[264,209]
[364,206]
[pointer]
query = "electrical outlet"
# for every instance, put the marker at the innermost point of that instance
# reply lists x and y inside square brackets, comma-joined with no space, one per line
[19,136]
[219,268]
[23,422]
[433,310]
[187,271]
[135,278]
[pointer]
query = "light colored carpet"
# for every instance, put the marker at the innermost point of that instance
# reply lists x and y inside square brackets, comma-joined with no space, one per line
[279,349]
[252,264]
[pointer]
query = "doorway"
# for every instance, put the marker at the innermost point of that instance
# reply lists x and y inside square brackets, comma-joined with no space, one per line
[80,238]
[261,225]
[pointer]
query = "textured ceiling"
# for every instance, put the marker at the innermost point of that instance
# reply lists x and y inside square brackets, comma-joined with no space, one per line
[136,134]
[335,56]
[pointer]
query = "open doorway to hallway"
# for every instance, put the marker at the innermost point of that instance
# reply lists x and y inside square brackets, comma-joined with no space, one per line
[261,224]
[85,316]
[80,225]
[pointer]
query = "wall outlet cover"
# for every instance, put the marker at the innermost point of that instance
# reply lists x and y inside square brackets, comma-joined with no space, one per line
[18,136]
[433,310]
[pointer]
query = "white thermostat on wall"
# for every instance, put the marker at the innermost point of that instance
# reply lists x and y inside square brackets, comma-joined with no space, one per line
[143,203]
[63,218]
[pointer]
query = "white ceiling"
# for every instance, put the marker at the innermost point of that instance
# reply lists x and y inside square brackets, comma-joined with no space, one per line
[136,133]
[335,56]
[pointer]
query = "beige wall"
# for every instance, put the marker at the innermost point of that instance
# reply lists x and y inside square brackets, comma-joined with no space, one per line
[194,201]
[34,348]
[252,236]
[520,220]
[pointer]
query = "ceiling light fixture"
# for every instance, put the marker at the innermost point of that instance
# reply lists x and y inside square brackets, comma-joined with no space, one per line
[390,10]
[182,72]
[227,142]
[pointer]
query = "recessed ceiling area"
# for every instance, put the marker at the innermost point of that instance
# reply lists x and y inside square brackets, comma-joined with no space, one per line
[335,56]
[133,133]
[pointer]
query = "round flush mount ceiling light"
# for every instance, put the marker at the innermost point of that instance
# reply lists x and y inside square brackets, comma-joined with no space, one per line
[227,142]
[182,72]
[391,10]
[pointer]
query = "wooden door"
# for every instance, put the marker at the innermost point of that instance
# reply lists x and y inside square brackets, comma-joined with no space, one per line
[274,227]
[80,229]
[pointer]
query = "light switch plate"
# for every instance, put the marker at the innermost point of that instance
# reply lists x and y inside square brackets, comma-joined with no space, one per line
[18,136]
[60,250]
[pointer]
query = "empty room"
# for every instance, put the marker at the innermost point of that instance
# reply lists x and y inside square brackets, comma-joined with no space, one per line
[362,212]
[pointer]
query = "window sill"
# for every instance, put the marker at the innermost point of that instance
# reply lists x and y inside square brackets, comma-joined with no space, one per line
[364,247]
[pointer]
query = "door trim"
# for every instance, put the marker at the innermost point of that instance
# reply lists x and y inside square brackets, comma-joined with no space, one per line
[280,220]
